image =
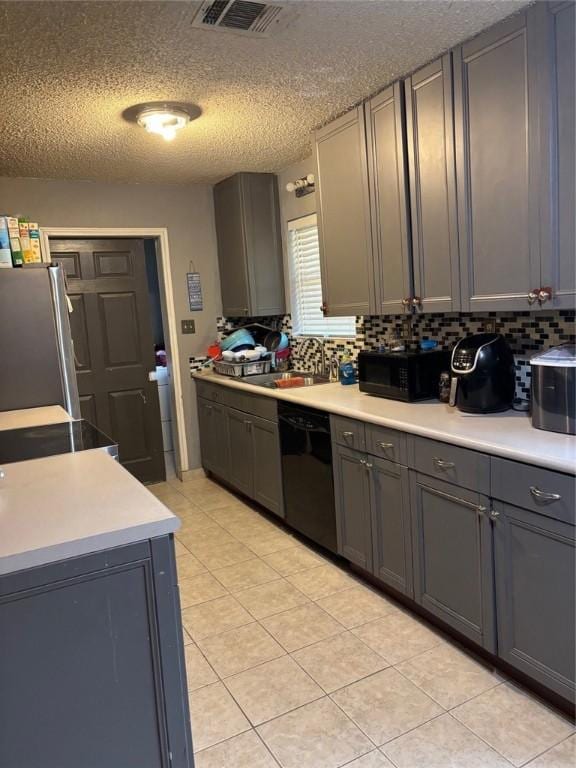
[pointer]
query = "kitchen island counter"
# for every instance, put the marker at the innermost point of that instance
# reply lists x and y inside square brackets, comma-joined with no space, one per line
[73,504]
[509,434]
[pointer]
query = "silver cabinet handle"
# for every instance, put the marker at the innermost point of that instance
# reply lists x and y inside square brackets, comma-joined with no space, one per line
[369,465]
[347,435]
[544,295]
[494,514]
[363,461]
[533,296]
[441,464]
[544,495]
[248,424]
[208,407]
[386,446]
[480,508]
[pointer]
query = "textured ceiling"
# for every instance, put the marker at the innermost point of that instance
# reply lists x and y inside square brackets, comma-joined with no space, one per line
[69,69]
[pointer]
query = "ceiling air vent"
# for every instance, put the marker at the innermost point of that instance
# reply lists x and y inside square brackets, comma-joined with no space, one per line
[243,17]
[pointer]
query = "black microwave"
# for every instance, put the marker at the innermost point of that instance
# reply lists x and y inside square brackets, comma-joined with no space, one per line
[404,376]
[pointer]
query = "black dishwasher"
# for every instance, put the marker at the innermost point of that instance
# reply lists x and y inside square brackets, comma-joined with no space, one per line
[307,473]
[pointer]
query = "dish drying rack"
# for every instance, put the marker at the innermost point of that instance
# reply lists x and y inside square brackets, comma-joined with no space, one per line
[250,368]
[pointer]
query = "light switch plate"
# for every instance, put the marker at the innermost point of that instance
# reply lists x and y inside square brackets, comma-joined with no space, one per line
[489,325]
[188,326]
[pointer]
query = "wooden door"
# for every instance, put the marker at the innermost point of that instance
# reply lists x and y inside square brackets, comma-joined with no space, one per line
[114,348]
[497,113]
[430,142]
[213,437]
[267,465]
[389,201]
[391,530]
[352,495]
[453,575]
[535,595]
[344,216]
[241,467]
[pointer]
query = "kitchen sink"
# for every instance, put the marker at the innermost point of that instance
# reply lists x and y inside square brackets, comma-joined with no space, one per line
[269,379]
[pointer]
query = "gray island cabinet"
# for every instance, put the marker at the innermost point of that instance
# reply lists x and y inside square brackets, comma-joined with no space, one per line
[91,652]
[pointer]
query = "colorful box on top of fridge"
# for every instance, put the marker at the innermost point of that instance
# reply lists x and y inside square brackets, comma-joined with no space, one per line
[15,247]
[35,249]
[5,252]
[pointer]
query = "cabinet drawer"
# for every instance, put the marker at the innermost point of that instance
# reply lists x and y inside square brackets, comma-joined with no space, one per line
[209,391]
[349,433]
[460,466]
[386,443]
[534,489]
[265,407]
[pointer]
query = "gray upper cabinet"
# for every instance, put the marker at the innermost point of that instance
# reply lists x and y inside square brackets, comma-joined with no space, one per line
[391,533]
[344,216]
[535,564]
[352,496]
[249,245]
[558,245]
[453,570]
[430,144]
[497,104]
[389,200]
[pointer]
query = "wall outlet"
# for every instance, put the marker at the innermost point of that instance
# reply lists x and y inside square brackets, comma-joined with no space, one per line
[406,327]
[188,326]
[489,325]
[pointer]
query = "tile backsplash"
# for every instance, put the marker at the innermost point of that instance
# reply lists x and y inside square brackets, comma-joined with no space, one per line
[526,332]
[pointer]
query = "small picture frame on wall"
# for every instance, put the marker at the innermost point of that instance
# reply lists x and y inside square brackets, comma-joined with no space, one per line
[194,286]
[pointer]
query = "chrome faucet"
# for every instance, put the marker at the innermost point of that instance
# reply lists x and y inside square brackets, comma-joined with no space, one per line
[319,368]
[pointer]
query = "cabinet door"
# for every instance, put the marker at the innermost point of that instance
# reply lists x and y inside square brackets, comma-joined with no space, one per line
[391,534]
[430,141]
[496,128]
[559,242]
[535,596]
[267,465]
[241,466]
[213,437]
[389,200]
[263,244]
[352,491]
[229,218]
[344,216]
[453,576]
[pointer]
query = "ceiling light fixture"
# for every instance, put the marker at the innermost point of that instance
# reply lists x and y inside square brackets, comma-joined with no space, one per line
[164,118]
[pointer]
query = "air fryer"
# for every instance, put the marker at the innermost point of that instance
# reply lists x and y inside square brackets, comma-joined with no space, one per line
[483,376]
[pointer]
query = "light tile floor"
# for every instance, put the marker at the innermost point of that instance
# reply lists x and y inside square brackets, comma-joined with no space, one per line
[294,662]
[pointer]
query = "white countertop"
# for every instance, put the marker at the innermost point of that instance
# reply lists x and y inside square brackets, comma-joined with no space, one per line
[73,504]
[33,417]
[509,434]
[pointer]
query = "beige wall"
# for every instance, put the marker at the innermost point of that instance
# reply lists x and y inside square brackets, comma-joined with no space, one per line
[186,211]
[292,207]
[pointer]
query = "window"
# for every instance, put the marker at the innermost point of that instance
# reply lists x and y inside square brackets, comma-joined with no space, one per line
[306,286]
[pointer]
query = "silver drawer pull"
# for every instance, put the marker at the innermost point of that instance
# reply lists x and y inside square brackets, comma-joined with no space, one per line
[480,508]
[347,434]
[544,495]
[386,446]
[441,464]
[363,462]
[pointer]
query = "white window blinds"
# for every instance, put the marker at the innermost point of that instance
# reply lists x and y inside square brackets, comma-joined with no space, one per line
[306,286]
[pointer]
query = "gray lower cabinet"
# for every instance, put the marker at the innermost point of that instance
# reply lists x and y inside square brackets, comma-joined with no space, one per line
[453,569]
[213,436]
[344,216]
[389,200]
[267,464]
[92,665]
[430,144]
[249,245]
[535,566]
[497,105]
[391,529]
[241,467]
[352,496]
